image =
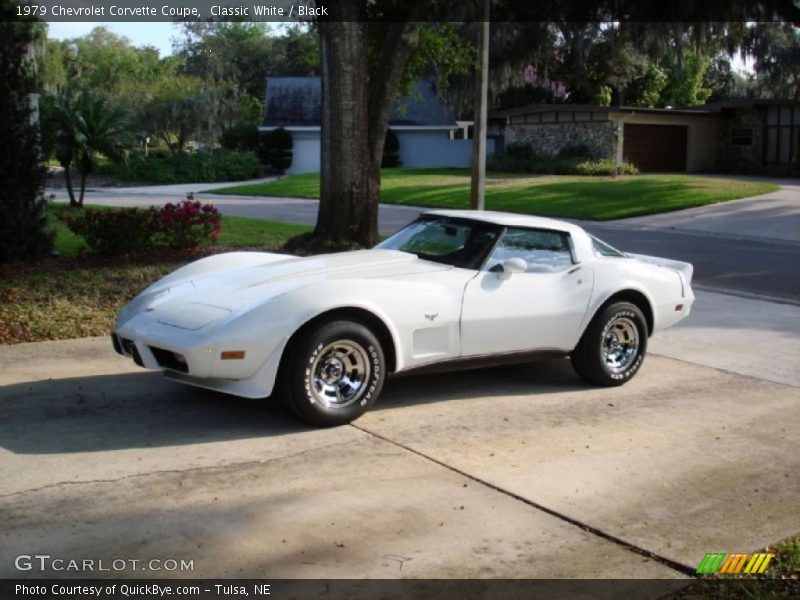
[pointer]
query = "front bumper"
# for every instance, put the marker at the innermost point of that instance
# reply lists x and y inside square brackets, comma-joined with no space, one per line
[160,347]
[259,385]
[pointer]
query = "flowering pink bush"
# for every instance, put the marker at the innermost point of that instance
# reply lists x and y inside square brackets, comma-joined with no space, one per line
[189,223]
[117,231]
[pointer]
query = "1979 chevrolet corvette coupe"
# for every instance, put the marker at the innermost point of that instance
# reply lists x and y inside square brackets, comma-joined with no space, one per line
[452,289]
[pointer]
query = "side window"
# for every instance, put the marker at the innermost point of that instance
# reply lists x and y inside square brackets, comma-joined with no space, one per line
[544,251]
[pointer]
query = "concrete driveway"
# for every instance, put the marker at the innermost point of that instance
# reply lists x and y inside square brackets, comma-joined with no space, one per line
[510,472]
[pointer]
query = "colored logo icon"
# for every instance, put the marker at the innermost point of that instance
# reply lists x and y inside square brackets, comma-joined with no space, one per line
[721,563]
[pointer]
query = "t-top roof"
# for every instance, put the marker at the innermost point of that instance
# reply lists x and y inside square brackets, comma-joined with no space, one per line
[508,219]
[297,102]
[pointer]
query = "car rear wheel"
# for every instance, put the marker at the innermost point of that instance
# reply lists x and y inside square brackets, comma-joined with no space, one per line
[613,347]
[333,373]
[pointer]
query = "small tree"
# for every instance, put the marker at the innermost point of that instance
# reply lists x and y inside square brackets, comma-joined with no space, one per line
[23,231]
[280,150]
[85,125]
[390,150]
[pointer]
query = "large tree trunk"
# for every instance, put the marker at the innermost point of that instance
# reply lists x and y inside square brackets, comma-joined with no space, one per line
[356,105]
[343,212]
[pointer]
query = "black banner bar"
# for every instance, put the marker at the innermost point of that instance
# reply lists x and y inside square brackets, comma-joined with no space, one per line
[385,589]
[427,10]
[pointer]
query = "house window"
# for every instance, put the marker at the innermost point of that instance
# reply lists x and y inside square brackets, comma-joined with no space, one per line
[783,125]
[742,137]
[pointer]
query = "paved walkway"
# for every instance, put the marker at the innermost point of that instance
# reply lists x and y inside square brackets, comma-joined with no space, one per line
[180,189]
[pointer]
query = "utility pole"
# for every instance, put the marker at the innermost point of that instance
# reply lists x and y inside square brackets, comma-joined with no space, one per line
[477,200]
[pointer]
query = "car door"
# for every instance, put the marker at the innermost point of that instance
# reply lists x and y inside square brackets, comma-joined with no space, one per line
[538,309]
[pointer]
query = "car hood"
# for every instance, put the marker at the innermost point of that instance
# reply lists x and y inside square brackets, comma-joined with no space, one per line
[196,302]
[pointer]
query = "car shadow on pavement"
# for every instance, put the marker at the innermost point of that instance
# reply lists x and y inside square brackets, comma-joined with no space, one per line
[523,379]
[129,410]
[144,410]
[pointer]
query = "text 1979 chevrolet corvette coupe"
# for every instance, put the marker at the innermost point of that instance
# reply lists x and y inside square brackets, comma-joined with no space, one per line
[453,288]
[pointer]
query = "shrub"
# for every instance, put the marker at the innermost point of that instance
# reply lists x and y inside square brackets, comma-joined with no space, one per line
[554,165]
[519,151]
[262,148]
[240,137]
[575,151]
[121,230]
[199,167]
[280,150]
[390,149]
[188,224]
[603,166]
[115,231]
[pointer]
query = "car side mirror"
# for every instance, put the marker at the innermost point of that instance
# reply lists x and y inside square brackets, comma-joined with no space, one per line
[512,266]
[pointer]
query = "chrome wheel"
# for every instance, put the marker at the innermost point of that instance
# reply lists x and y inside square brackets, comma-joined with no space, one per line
[620,343]
[339,374]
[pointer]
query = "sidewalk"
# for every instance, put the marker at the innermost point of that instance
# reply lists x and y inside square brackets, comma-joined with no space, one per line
[773,217]
[180,189]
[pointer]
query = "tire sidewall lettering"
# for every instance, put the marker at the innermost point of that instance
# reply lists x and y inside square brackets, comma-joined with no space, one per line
[373,381]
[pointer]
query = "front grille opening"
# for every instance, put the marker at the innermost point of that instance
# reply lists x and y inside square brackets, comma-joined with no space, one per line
[137,358]
[116,344]
[127,346]
[170,360]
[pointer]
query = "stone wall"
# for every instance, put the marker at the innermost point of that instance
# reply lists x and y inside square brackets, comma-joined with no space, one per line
[742,159]
[549,138]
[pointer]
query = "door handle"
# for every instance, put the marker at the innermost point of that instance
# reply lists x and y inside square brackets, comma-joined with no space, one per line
[573,270]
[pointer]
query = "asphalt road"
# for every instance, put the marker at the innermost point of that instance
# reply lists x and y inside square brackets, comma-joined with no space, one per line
[723,263]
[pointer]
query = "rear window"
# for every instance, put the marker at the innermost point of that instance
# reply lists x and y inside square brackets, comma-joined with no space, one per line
[603,249]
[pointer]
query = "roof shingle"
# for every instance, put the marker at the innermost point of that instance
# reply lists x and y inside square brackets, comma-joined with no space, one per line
[297,101]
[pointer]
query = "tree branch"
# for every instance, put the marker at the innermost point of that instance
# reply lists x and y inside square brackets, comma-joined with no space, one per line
[401,39]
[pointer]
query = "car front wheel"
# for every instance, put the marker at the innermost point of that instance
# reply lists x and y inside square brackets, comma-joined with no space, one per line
[613,347]
[334,373]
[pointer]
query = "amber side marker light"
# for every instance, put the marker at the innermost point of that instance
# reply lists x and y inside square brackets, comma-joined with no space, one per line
[678,307]
[232,355]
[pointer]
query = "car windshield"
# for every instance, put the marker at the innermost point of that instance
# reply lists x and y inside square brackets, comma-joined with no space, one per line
[457,242]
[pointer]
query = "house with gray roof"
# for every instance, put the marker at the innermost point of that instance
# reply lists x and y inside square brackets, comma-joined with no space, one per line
[423,124]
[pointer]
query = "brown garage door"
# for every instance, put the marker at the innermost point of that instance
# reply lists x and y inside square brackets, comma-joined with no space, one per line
[655,147]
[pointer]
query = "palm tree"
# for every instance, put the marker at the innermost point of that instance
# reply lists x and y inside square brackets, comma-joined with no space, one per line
[86,125]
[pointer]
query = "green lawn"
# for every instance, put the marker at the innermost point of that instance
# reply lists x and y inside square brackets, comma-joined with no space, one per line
[77,295]
[599,198]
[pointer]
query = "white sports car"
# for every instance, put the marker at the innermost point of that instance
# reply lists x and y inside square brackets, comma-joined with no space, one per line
[453,289]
